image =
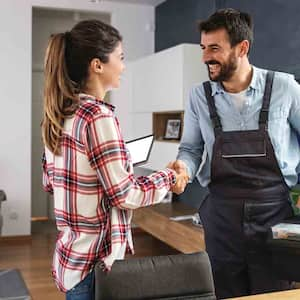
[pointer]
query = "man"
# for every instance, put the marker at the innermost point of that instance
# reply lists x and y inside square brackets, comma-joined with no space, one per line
[245,120]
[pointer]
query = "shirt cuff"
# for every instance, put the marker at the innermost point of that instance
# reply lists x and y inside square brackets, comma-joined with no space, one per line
[171,175]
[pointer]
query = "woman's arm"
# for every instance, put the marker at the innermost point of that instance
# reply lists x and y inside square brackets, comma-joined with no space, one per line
[108,156]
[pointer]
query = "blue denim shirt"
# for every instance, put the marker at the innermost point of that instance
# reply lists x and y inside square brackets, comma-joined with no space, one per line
[283,125]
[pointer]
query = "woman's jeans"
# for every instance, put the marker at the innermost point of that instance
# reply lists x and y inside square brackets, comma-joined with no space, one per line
[84,290]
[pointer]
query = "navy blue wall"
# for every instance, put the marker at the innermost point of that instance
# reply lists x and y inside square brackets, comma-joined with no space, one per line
[176,21]
[276,28]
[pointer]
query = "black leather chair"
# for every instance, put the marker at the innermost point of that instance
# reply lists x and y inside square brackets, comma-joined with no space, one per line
[181,276]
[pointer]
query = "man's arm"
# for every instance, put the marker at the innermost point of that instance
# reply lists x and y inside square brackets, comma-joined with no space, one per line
[191,146]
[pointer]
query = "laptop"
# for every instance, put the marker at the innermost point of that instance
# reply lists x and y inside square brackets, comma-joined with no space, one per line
[140,149]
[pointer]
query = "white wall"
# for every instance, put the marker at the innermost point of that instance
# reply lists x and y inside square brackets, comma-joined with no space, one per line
[135,22]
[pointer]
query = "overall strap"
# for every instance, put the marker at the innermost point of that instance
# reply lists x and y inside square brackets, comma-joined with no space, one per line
[263,116]
[212,108]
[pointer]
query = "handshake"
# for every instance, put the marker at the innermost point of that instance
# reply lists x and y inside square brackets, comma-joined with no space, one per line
[182,176]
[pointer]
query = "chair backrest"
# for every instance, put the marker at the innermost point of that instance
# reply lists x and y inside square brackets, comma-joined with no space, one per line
[180,276]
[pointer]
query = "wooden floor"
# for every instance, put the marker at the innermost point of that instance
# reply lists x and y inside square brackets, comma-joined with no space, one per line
[33,258]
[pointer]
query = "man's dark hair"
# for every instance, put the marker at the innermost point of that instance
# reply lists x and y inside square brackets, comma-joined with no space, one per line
[237,24]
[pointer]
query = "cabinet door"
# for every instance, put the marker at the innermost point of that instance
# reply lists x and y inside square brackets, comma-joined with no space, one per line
[157,82]
[141,124]
[194,70]
[121,98]
[162,153]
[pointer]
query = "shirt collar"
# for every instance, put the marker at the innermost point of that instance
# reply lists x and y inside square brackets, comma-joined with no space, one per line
[217,87]
[86,97]
[255,82]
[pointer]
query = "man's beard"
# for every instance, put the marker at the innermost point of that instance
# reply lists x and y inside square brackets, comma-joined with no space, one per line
[226,69]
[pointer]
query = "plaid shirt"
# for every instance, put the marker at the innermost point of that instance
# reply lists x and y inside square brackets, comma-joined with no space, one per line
[94,192]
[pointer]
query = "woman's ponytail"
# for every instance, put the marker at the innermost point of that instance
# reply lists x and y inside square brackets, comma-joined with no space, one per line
[60,98]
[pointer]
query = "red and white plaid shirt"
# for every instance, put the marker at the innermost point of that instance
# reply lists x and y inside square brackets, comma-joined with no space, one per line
[94,192]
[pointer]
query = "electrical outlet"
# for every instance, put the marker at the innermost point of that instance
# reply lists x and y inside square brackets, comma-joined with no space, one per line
[13,215]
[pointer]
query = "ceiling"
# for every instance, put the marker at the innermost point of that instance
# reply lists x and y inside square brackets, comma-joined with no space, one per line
[144,2]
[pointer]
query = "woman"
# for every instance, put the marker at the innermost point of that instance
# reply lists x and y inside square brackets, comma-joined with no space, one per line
[86,164]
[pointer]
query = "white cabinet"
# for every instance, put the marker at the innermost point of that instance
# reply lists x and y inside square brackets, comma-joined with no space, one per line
[157,83]
[162,153]
[162,80]
[141,123]
[194,70]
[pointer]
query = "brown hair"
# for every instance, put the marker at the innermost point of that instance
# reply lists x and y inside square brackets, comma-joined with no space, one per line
[66,70]
[238,25]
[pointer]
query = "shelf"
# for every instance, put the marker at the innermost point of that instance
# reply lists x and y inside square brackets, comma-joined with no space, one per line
[167,125]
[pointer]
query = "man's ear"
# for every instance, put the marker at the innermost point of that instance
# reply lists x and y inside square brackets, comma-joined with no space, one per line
[244,48]
[96,66]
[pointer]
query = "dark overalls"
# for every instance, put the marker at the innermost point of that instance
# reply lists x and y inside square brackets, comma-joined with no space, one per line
[248,195]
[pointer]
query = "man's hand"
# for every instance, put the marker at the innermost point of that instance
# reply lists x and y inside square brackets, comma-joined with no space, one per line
[182,177]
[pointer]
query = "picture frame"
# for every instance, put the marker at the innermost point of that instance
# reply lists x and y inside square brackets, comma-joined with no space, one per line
[172,131]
